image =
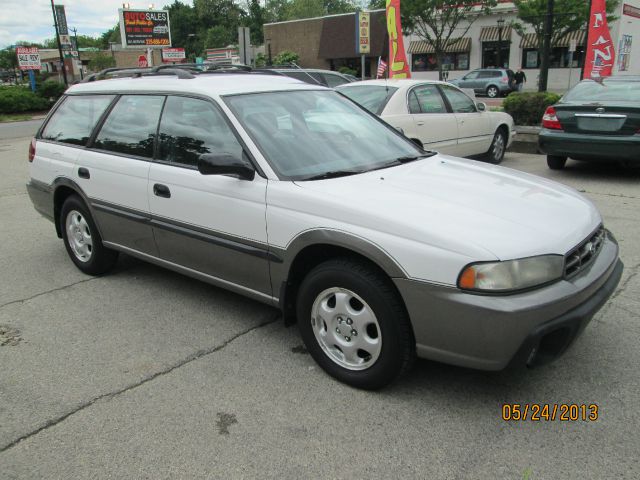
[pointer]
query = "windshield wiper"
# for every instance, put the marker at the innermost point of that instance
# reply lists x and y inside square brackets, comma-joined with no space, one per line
[332,174]
[411,158]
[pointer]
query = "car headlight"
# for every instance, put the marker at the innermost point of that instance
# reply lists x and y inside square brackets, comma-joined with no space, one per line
[512,274]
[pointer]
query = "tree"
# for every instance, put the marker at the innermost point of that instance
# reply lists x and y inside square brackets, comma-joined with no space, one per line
[218,37]
[568,16]
[184,28]
[100,61]
[436,21]
[8,59]
[255,20]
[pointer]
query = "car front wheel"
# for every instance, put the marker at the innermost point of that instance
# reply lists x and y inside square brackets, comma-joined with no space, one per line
[354,324]
[492,92]
[82,239]
[498,147]
[555,162]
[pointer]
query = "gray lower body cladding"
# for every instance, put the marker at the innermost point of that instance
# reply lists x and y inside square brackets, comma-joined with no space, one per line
[488,331]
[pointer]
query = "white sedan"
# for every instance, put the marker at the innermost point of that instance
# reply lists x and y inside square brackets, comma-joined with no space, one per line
[437,116]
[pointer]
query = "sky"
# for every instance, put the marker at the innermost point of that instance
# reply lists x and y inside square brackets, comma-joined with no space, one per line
[32,20]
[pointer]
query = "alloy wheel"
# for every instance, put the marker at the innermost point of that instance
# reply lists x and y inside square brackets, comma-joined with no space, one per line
[79,236]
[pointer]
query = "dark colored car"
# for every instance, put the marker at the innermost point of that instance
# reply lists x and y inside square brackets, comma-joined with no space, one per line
[595,120]
[491,82]
[326,78]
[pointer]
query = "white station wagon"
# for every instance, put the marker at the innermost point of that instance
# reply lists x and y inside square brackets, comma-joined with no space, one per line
[436,116]
[293,195]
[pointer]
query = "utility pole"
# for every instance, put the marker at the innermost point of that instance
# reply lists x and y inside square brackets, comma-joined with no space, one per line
[75,35]
[546,47]
[55,22]
[586,40]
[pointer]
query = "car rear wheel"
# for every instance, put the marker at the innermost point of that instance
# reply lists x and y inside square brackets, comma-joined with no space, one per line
[498,147]
[82,239]
[354,324]
[555,162]
[492,91]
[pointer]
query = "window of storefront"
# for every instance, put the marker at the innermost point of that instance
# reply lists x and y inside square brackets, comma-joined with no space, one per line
[560,58]
[425,62]
[490,54]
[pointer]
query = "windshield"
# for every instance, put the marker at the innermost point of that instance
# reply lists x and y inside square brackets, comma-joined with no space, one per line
[308,133]
[590,91]
[372,97]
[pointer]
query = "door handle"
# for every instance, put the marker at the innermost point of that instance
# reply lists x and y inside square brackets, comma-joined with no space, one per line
[83,173]
[161,190]
[420,123]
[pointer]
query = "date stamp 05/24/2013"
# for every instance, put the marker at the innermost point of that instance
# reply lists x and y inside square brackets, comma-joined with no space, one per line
[549,412]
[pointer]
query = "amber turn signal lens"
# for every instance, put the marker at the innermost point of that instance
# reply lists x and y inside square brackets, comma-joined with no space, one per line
[468,278]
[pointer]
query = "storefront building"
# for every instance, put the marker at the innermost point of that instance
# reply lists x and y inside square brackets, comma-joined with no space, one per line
[329,42]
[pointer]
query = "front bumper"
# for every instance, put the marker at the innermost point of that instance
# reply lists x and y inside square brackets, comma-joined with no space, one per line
[588,146]
[490,331]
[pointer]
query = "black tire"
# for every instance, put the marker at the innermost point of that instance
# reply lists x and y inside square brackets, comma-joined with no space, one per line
[101,259]
[397,351]
[555,162]
[492,91]
[498,147]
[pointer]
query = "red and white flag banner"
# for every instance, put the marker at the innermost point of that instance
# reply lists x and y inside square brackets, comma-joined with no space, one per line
[600,54]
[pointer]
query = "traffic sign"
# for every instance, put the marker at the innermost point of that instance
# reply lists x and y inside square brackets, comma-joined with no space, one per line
[142,61]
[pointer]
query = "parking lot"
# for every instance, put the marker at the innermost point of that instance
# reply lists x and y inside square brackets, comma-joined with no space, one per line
[145,373]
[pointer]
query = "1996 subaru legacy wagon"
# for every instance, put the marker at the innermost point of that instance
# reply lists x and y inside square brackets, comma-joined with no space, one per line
[291,194]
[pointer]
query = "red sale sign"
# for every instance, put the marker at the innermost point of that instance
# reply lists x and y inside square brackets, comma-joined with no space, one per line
[398,65]
[600,51]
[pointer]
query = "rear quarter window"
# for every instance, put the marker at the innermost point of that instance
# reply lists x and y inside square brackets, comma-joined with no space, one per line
[75,119]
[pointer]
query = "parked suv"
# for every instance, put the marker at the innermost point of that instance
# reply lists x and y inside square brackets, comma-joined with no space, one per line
[327,78]
[492,82]
[293,195]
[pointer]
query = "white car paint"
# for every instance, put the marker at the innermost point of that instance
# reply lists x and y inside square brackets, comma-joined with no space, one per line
[460,134]
[433,216]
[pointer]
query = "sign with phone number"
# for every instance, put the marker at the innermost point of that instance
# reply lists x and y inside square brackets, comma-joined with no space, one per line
[28,58]
[145,28]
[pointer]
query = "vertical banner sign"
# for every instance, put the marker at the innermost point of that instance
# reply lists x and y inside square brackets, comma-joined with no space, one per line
[600,55]
[363,28]
[398,66]
[61,20]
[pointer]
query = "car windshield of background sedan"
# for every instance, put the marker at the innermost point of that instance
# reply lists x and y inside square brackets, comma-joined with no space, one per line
[307,134]
[608,90]
[372,97]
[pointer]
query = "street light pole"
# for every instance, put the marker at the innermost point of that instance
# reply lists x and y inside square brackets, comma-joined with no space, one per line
[546,47]
[55,23]
[500,25]
[75,35]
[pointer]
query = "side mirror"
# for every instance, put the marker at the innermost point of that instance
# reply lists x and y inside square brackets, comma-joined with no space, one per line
[225,164]
[400,130]
[482,107]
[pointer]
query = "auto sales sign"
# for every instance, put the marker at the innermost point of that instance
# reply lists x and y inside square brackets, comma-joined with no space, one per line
[28,58]
[144,28]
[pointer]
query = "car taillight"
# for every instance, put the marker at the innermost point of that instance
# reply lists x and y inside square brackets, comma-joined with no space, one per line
[32,149]
[550,120]
[504,79]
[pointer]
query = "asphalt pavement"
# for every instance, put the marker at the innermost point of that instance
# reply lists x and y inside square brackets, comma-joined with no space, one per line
[145,373]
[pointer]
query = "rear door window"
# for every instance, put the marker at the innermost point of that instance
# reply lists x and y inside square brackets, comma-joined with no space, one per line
[76,118]
[131,126]
[429,99]
[191,127]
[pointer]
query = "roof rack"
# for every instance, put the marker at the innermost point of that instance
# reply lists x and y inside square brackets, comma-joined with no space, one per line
[139,72]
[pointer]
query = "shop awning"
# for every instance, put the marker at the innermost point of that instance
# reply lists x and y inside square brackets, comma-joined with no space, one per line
[455,45]
[530,40]
[492,34]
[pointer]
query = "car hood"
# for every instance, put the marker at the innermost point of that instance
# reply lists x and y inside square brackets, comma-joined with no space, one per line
[475,209]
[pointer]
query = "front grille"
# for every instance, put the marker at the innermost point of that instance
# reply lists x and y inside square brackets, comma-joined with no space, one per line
[583,254]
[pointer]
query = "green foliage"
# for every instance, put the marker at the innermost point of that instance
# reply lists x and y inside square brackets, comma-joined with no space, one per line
[51,90]
[347,71]
[16,99]
[260,60]
[528,108]
[110,36]
[100,61]
[439,21]
[218,37]
[569,16]
[285,57]
[8,59]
